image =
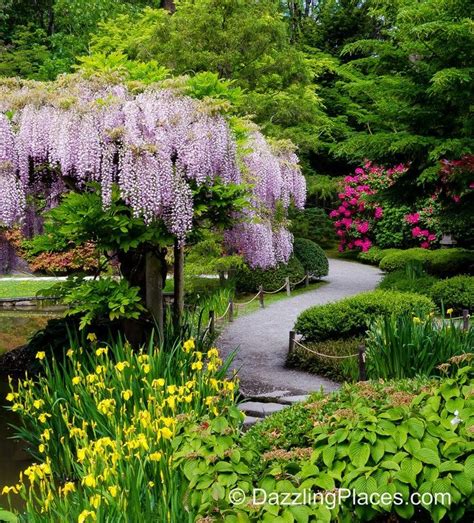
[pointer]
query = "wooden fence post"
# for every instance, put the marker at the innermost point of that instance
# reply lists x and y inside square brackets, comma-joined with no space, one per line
[212,322]
[306,280]
[362,372]
[288,288]
[260,296]
[291,345]
[465,319]
[231,310]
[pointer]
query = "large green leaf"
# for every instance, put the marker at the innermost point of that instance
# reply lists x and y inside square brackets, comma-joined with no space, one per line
[359,453]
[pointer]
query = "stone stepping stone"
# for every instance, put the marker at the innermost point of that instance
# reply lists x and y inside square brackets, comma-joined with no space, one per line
[260,410]
[249,421]
[290,400]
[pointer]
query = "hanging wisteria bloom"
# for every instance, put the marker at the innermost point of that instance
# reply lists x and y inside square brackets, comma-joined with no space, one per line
[155,146]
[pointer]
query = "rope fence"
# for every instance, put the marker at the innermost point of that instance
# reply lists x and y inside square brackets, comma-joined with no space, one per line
[360,355]
[228,314]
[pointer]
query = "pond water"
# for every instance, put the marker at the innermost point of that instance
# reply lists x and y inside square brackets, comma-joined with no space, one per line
[16,327]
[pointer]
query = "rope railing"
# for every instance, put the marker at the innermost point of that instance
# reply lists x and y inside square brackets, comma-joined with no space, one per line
[229,311]
[360,355]
[332,356]
[278,290]
[224,314]
[248,302]
[305,278]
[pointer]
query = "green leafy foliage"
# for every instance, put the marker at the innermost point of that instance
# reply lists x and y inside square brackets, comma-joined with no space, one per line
[98,299]
[351,316]
[249,280]
[314,224]
[405,346]
[311,257]
[456,293]
[396,437]
[392,230]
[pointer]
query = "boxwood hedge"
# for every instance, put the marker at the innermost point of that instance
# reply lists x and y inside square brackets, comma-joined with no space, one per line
[351,316]
[441,262]
[456,292]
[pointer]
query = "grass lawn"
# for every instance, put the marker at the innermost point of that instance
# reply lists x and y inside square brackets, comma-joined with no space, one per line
[22,288]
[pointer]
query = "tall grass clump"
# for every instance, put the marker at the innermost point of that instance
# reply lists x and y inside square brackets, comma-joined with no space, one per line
[405,346]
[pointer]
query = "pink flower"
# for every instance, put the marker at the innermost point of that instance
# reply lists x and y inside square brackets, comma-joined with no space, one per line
[425,232]
[425,245]
[359,171]
[416,231]
[340,232]
[366,245]
[432,237]
[363,227]
[412,218]
[471,185]
[347,222]
[378,213]
[334,214]
[456,198]
[353,201]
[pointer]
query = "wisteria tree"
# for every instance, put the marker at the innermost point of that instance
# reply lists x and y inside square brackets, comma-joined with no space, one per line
[172,162]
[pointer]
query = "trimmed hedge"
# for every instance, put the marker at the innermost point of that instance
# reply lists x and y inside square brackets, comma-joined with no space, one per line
[442,262]
[311,256]
[375,255]
[351,316]
[401,281]
[456,292]
[249,280]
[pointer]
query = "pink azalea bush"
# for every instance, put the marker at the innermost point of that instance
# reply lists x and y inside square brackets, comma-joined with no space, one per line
[359,210]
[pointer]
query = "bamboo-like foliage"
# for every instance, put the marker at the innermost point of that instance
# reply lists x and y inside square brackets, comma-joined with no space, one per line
[406,346]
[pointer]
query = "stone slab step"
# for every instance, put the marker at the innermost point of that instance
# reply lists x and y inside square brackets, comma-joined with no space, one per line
[249,421]
[290,400]
[260,410]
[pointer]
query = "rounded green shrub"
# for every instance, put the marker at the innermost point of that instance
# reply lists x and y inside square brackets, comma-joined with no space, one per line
[399,260]
[311,256]
[249,280]
[351,316]
[450,262]
[441,262]
[456,293]
[375,255]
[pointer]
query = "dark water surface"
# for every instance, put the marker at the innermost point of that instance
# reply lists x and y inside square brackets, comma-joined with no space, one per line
[16,327]
[13,457]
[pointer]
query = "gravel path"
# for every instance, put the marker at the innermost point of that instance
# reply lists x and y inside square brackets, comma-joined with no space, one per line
[261,337]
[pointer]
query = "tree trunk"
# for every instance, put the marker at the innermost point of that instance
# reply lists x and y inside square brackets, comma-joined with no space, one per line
[178,305]
[154,288]
[168,5]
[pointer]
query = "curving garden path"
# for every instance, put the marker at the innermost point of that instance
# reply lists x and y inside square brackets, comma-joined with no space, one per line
[261,337]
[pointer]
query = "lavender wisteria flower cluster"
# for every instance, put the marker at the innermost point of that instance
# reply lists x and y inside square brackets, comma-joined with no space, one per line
[154,145]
